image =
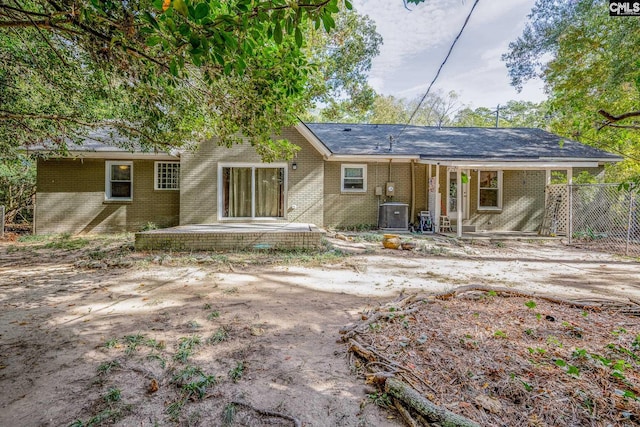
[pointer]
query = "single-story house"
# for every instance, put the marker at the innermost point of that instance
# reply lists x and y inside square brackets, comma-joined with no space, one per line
[490,179]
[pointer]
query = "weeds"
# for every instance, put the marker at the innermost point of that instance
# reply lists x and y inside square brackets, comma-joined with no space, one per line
[186,347]
[107,367]
[229,414]
[380,399]
[112,343]
[236,373]
[64,241]
[132,342]
[175,409]
[162,360]
[113,395]
[221,335]
[192,324]
[213,315]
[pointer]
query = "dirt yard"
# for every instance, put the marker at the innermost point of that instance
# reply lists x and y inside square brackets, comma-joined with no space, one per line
[92,333]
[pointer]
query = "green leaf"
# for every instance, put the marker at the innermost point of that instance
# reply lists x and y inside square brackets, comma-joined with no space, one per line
[561,363]
[201,10]
[277,33]
[298,35]
[151,20]
[328,22]
[348,5]
[180,6]
[152,41]
[531,304]
[573,370]
[173,68]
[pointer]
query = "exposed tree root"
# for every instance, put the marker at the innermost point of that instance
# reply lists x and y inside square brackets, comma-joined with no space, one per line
[296,422]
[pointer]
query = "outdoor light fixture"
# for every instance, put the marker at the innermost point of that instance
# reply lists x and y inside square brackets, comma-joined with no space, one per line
[294,165]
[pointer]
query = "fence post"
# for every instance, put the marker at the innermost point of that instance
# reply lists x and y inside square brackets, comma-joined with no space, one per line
[629,222]
[2,223]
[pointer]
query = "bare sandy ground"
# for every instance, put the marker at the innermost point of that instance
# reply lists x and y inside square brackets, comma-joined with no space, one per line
[279,321]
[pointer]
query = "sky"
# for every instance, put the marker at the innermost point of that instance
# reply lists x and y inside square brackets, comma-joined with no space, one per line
[416,42]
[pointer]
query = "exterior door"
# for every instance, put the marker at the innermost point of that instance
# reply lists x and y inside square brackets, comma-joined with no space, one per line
[252,192]
[455,190]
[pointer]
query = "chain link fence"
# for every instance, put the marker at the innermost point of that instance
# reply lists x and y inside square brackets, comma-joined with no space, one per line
[604,217]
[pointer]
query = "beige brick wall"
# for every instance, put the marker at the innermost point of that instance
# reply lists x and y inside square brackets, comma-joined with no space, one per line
[522,204]
[228,241]
[353,209]
[199,178]
[70,199]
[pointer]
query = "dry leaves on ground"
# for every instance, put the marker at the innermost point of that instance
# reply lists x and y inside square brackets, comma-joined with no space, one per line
[504,359]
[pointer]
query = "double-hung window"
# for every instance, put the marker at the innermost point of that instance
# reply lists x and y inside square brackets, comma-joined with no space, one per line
[490,190]
[167,176]
[353,178]
[119,180]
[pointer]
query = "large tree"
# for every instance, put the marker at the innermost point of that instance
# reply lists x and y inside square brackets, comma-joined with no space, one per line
[343,57]
[159,72]
[590,64]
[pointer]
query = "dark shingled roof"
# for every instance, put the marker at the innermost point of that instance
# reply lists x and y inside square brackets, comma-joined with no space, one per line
[100,140]
[461,143]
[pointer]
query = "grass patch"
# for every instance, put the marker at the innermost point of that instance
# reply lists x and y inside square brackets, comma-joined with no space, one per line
[186,348]
[66,242]
[236,373]
[221,335]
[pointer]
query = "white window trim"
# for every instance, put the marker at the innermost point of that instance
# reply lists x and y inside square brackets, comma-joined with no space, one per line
[107,180]
[500,191]
[364,178]
[253,166]
[156,166]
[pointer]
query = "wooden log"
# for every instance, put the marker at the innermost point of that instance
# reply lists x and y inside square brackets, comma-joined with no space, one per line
[425,407]
[405,414]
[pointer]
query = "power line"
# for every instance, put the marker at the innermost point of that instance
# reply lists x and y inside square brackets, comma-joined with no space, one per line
[439,69]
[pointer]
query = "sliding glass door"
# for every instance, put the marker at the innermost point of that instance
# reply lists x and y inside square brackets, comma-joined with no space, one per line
[252,191]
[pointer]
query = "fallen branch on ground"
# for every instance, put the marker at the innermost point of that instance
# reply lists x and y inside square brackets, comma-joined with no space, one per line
[267,413]
[424,406]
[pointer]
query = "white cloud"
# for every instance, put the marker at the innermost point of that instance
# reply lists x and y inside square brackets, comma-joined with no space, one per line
[416,42]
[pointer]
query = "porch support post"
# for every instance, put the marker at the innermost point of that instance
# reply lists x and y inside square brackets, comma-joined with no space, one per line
[459,191]
[436,210]
[570,176]
[428,192]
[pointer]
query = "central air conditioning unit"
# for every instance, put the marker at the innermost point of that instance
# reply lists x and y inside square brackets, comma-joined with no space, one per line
[393,216]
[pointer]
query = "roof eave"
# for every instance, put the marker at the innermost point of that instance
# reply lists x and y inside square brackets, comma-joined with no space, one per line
[121,155]
[313,139]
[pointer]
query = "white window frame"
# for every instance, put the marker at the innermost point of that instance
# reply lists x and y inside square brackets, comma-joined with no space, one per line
[499,189]
[364,178]
[107,180]
[157,178]
[253,167]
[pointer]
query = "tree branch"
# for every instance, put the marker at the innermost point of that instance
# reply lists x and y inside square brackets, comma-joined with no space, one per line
[9,115]
[611,120]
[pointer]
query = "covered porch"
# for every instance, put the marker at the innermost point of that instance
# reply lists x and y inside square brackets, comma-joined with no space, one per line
[474,199]
[231,237]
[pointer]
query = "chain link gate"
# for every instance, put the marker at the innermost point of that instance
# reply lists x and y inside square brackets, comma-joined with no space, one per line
[604,217]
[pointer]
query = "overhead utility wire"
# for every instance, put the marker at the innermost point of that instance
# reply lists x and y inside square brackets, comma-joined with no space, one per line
[439,69]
